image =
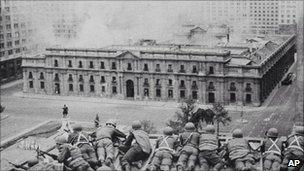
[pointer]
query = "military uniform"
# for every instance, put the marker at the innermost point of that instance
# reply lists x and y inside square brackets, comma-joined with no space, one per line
[71,156]
[165,149]
[189,141]
[239,153]
[104,138]
[295,148]
[78,139]
[208,146]
[272,151]
[140,147]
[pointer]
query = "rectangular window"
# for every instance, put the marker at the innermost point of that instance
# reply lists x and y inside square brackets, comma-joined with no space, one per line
[92,88]
[42,85]
[113,65]
[194,69]
[248,98]
[157,68]
[182,94]
[91,64]
[80,64]
[170,68]
[146,67]
[170,94]
[70,87]
[102,65]
[232,97]
[114,90]
[158,92]
[102,79]
[170,82]
[129,66]
[211,98]
[182,69]
[146,92]
[103,89]
[194,95]
[81,87]
[211,70]
[55,63]
[70,64]
[31,84]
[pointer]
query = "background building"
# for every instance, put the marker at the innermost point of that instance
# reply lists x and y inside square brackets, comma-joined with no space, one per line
[234,73]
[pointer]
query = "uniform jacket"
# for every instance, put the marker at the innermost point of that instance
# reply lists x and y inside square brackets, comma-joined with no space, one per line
[208,142]
[296,142]
[189,138]
[273,146]
[141,138]
[166,142]
[70,156]
[237,148]
[108,132]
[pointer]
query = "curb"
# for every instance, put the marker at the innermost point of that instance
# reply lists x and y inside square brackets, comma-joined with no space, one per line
[19,135]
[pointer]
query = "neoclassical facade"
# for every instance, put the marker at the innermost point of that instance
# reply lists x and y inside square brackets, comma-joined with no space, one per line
[157,72]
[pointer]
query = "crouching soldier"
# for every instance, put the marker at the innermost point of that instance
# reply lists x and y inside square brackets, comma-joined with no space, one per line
[295,149]
[78,139]
[208,146]
[138,145]
[71,156]
[239,152]
[104,138]
[272,150]
[189,141]
[165,149]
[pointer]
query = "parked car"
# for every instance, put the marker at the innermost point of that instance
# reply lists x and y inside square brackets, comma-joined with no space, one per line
[288,80]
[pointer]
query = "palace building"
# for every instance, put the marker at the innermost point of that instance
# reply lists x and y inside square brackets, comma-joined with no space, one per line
[242,73]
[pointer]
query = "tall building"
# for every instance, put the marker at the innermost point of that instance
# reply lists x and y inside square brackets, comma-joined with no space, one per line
[29,27]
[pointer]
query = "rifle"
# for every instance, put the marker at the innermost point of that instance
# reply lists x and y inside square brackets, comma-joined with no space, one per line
[21,166]
[43,153]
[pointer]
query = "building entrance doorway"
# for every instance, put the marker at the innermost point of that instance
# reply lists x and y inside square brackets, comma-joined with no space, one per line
[57,88]
[130,88]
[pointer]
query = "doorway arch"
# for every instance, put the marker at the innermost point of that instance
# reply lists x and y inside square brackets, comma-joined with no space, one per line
[130,88]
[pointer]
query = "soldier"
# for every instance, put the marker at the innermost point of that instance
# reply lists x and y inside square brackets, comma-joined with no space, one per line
[208,146]
[78,139]
[71,156]
[140,147]
[295,148]
[272,150]
[239,152]
[189,143]
[104,137]
[65,111]
[165,149]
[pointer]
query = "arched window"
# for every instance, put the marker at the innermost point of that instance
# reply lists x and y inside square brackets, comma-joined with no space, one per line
[91,79]
[80,64]
[41,76]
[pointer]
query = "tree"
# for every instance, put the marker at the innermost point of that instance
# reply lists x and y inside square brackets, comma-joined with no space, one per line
[220,115]
[148,126]
[182,116]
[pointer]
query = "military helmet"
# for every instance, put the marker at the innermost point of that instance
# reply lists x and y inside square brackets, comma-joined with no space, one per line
[77,127]
[136,124]
[237,133]
[299,130]
[32,161]
[61,139]
[272,133]
[189,126]
[168,131]
[210,129]
[111,122]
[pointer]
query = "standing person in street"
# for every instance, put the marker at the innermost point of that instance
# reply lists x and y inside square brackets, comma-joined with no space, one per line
[140,147]
[65,111]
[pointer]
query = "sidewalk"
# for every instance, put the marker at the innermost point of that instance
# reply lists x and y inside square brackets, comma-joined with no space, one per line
[125,102]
